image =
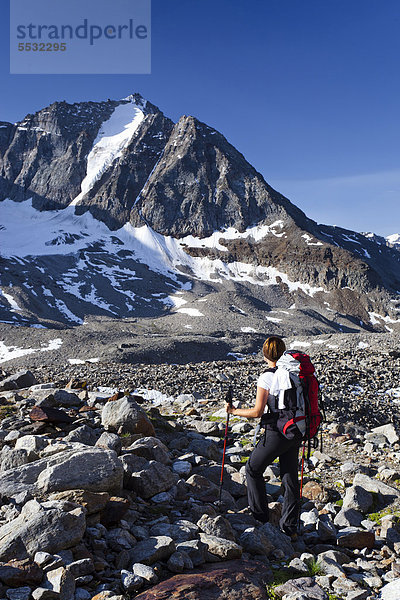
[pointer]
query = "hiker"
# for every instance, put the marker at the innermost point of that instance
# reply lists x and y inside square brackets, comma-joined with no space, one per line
[272,445]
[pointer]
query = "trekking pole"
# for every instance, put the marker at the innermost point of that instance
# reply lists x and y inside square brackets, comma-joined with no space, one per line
[228,398]
[302,469]
[301,479]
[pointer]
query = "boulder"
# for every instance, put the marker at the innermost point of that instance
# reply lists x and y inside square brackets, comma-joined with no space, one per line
[352,537]
[302,586]
[109,441]
[62,582]
[279,540]
[152,550]
[358,498]
[225,549]
[391,591]
[20,572]
[205,447]
[217,526]
[99,469]
[374,485]
[41,527]
[21,379]
[236,580]
[388,431]
[150,448]
[146,478]
[83,434]
[93,502]
[255,541]
[124,415]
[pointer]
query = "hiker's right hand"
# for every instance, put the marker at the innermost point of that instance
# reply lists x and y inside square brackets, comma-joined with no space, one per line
[229,408]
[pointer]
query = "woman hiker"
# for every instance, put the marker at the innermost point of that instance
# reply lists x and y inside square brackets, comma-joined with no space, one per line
[272,445]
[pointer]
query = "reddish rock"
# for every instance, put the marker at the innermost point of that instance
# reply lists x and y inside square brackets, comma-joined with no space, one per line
[20,572]
[51,415]
[356,538]
[313,490]
[232,580]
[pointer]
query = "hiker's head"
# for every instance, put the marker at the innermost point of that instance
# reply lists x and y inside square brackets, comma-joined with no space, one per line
[273,348]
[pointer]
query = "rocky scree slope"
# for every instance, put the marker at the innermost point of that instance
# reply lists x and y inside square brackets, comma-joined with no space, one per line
[111,496]
[123,162]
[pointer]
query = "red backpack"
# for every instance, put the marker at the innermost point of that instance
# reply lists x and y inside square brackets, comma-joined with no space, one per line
[312,400]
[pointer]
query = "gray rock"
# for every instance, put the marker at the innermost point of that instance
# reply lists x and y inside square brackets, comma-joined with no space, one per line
[388,431]
[279,540]
[357,498]
[326,529]
[100,469]
[374,485]
[195,549]
[109,441]
[61,581]
[217,526]
[82,567]
[150,448]
[329,566]
[125,416]
[206,491]
[179,533]
[146,478]
[21,379]
[145,572]
[20,593]
[348,518]
[205,447]
[179,561]
[256,542]
[153,549]
[43,529]
[302,585]
[11,458]
[41,593]
[390,591]
[66,399]
[206,427]
[31,443]
[130,581]
[182,467]
[83,434]
[225,549]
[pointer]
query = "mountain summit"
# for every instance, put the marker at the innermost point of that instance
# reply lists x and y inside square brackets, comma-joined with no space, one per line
[109,209]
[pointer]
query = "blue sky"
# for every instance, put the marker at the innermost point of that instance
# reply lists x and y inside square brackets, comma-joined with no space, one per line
[307,90]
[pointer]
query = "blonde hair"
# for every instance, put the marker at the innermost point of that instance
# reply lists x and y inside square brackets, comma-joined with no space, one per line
[273,348]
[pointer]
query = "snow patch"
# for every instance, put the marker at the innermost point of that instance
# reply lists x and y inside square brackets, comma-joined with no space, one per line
[10,300]
[248,330]
[11,352]
[308,239]
[113,137]
[193,312]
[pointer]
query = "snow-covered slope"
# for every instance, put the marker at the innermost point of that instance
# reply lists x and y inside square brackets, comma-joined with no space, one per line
[113,137]
[394,240]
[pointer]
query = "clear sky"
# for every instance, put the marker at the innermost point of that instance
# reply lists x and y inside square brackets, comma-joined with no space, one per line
[307,90]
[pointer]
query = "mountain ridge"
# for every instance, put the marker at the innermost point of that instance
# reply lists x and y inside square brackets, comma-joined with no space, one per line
[180,206]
